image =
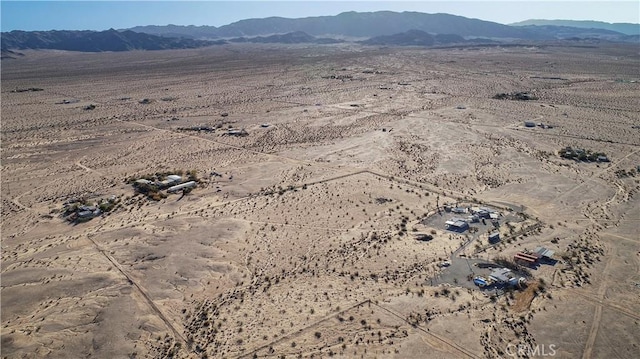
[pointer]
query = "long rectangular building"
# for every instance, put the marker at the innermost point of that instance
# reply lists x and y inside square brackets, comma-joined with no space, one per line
[525,259]
[182,186]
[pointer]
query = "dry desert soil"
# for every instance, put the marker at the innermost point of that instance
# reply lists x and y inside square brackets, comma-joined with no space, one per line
[301,237]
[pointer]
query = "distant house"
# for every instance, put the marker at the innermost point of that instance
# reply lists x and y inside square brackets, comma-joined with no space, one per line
[87,212]
[87,208]
[143,182]
[237,132]
[501,275]
[169,181]
[457,225]
[482,212]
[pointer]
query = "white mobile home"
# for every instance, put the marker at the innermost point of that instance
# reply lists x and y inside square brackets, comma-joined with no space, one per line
[176,188]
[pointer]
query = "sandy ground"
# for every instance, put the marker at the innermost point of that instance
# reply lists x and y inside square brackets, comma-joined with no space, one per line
[305,244]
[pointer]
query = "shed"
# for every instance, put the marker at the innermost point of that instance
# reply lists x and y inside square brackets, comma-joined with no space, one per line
[494,237]
[174,178]
[543,252]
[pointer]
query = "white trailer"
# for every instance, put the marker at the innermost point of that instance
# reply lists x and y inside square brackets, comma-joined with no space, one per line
[182,186]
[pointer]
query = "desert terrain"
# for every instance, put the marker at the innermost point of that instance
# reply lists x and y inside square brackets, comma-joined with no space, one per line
[301,237]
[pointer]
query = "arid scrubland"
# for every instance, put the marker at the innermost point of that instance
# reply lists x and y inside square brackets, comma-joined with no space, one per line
[301,237]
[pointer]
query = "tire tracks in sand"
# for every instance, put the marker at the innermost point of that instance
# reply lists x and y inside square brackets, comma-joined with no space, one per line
[597,316]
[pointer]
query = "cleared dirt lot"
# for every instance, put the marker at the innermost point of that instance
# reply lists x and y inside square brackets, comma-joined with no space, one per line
[300,238]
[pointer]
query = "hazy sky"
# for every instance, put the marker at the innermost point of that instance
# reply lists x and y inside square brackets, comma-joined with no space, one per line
[102,15]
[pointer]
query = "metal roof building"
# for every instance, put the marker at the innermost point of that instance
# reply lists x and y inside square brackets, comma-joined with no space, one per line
[494,237]
[544,252]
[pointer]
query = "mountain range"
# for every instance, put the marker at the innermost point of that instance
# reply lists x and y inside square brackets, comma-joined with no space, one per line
[414,38]
[349,24]
[385,28]
[623,28]
[296,37]
[95,41]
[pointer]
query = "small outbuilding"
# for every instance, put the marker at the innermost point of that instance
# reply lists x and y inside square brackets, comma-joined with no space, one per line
[459,210]
[544,253]
[494,238]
